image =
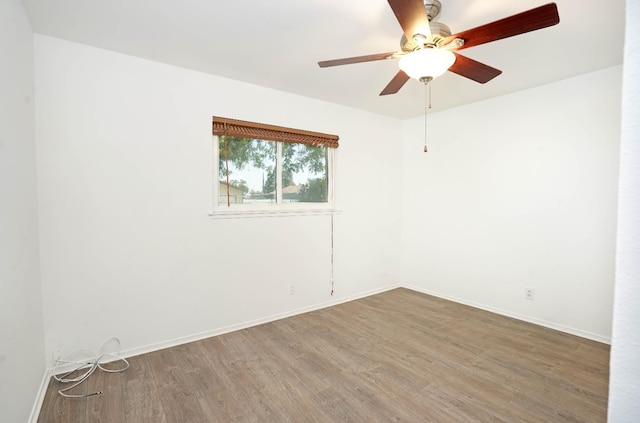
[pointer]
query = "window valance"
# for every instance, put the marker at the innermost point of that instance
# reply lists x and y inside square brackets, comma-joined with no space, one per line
[261,131]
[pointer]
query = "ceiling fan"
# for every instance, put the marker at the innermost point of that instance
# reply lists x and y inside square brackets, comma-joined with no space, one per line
[428,49]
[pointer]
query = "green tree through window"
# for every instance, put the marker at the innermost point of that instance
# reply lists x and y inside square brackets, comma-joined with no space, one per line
[251,165]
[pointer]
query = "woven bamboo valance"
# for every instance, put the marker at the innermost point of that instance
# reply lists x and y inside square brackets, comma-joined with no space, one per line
[261,131]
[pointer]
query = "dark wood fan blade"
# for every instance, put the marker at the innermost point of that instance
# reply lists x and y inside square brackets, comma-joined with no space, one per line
[531,20]
[358,59]
[396,83]
[412,17]
[473,70]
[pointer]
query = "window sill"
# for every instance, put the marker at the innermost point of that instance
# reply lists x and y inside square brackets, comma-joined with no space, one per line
[235,214]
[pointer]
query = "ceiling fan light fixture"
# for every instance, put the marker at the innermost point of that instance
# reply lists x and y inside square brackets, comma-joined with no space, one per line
[427,63]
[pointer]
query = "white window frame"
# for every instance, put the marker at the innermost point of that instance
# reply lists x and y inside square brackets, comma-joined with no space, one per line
[278,208]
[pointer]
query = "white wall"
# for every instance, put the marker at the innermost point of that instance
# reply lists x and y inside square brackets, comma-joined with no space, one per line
[624,386]
[127,248]
[519,192]
[22,362]
[125,174]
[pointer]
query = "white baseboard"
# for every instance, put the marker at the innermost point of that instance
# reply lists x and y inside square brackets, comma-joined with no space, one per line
[37,405]
[529,319]
[226,329]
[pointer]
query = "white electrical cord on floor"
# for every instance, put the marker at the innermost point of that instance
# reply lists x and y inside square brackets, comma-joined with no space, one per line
[86,366]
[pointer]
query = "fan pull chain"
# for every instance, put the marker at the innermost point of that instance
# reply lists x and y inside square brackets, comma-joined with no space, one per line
[425,118]
[426,108]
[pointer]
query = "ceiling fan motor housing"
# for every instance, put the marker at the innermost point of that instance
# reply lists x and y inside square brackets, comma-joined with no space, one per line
[439,32]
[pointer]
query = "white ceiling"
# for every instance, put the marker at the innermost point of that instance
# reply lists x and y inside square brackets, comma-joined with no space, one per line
[277,43]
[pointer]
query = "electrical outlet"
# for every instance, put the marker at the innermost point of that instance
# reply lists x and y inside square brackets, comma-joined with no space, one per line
[529,294]
[292,289]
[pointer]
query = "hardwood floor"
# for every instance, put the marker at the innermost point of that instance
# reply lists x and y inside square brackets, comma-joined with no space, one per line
[398,356]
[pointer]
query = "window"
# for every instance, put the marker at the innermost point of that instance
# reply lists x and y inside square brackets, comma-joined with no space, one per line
[266,168]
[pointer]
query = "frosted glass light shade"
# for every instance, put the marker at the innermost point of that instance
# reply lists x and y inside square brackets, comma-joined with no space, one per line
[427,62]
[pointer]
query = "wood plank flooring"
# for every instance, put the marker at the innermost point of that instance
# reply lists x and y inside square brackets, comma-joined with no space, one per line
[398,356]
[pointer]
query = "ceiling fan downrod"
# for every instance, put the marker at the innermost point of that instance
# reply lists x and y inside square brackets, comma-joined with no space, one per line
[432,7]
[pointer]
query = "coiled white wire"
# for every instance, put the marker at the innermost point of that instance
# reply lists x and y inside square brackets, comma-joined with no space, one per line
[86,366]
